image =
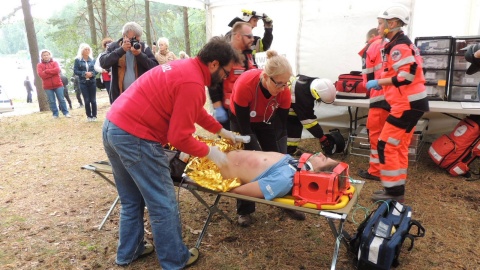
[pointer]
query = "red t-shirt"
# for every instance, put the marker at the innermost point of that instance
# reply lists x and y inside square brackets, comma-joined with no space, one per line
[247,92]
[164,104]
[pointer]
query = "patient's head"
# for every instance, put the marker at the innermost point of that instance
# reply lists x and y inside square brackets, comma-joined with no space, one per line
[320,163]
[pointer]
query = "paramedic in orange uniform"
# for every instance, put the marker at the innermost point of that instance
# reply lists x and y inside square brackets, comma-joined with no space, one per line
[402,81]
[259,108]
[241,40]
[379,108]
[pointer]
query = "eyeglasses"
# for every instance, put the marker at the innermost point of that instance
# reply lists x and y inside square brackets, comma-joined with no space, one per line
[250,36]
[280,85]
[227,73]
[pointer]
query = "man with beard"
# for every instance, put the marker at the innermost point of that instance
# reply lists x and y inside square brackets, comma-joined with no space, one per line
[241,40]
[160,107]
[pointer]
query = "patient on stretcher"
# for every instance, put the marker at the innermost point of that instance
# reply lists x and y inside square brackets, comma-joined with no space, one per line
[268,175]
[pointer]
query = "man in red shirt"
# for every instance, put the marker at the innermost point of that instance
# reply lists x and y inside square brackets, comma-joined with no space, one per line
[160,107]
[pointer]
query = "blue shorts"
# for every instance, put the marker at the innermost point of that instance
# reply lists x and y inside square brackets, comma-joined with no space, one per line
[277,181]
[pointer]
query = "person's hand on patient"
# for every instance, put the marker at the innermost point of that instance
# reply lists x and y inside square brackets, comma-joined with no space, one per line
[227,134]
[217,156]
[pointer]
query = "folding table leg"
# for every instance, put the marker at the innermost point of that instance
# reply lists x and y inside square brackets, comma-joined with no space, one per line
[337,233]
[108,213]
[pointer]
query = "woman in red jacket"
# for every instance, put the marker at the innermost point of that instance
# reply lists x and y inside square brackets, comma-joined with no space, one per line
[49,71]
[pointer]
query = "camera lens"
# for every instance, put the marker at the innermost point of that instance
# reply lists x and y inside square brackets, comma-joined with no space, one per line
[136,46]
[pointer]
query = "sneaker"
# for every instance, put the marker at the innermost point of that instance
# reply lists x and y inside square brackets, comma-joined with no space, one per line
[194,253]
[68,115]
[293,214]
[382,195]
[80,106]
[244,220]
[147,251]
[55,117]
[365,174]
[89,119]
[94,119]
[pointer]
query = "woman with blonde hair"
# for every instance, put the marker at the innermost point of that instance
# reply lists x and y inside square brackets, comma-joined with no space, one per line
[163,55]
[84,69]
[259,108]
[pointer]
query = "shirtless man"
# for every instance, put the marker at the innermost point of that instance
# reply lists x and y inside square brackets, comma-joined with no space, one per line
[268,175]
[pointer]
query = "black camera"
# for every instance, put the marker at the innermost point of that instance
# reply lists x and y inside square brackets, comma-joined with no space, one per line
[135,43]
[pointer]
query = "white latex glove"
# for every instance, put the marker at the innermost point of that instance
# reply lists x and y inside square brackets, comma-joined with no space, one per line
[227,134]
[217,156]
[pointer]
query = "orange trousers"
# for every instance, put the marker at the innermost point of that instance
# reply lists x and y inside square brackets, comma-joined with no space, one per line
[375,121]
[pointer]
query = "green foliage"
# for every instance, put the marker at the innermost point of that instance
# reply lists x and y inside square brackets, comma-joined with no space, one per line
[64,31]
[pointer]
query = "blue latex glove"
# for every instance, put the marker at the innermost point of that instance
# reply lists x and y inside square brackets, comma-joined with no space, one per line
[373,84]
[221,114]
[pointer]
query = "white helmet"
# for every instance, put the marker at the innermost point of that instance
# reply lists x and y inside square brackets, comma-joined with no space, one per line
[398,11]
[324,90]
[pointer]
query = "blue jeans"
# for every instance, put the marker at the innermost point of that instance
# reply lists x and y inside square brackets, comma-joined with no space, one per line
[52,95]
[89,93]
[142,176]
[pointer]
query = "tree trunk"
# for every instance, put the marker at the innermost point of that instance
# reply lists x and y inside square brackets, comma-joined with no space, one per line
[186,30]
[104,19]
[91,23]
[147,23]
[34,57]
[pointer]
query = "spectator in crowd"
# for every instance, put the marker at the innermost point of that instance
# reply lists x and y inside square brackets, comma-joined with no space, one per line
[65,90]
[162,53]
[84,69]
[161,107]
[259,108]
[29,88]
[403,84]
[379,107]
[259,44]
[76,87]
[105,75]
[183,55]
[128,59]
[49,70]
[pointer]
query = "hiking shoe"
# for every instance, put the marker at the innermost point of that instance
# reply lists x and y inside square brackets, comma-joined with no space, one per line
[244,220]
[293,214]
[68,115]
[382,195]
[365,174]
[194,253]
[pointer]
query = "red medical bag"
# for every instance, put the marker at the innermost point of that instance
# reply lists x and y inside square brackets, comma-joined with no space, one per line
[351,86]
[320,188]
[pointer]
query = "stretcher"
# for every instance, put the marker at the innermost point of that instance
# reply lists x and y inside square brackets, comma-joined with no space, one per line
[335,218]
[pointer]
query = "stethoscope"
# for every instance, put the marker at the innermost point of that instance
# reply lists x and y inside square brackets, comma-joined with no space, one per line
[254,112]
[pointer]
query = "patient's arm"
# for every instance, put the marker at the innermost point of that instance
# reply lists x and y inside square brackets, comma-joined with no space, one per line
[251,189]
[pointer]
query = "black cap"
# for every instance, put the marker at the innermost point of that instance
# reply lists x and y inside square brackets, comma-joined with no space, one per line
[469,56]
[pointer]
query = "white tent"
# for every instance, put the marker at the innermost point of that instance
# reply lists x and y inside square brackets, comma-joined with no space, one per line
[322,37]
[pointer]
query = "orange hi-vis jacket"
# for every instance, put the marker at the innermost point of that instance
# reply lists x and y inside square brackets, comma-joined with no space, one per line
[402,62]
[235,72]
[372,69]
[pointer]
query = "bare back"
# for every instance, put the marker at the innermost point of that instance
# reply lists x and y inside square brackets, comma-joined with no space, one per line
[247,165]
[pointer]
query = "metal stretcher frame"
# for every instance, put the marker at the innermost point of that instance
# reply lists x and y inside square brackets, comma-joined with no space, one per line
[335,218]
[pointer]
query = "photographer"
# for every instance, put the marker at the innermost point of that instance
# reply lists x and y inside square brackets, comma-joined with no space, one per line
[128,59]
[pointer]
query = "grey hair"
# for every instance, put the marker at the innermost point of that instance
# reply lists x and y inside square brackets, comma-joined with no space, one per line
[132,26]
[163,40]
[82,47]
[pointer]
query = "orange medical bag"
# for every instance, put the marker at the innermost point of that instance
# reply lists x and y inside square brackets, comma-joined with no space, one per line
[320,188]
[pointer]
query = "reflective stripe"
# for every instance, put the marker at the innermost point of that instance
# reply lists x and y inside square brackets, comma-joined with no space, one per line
[397,183]
[292,112]
[417,96]
[292,143]
[374,249]
[294,139]
[367,70]
[377,99]
[377,67]
[404,61]
[309,123]
[393,141]
[374,160]
[406,75]
[374,151]
[398,209]
[393,173]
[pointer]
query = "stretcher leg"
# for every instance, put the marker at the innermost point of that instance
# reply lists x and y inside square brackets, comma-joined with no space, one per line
[337,233]
[108,213]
